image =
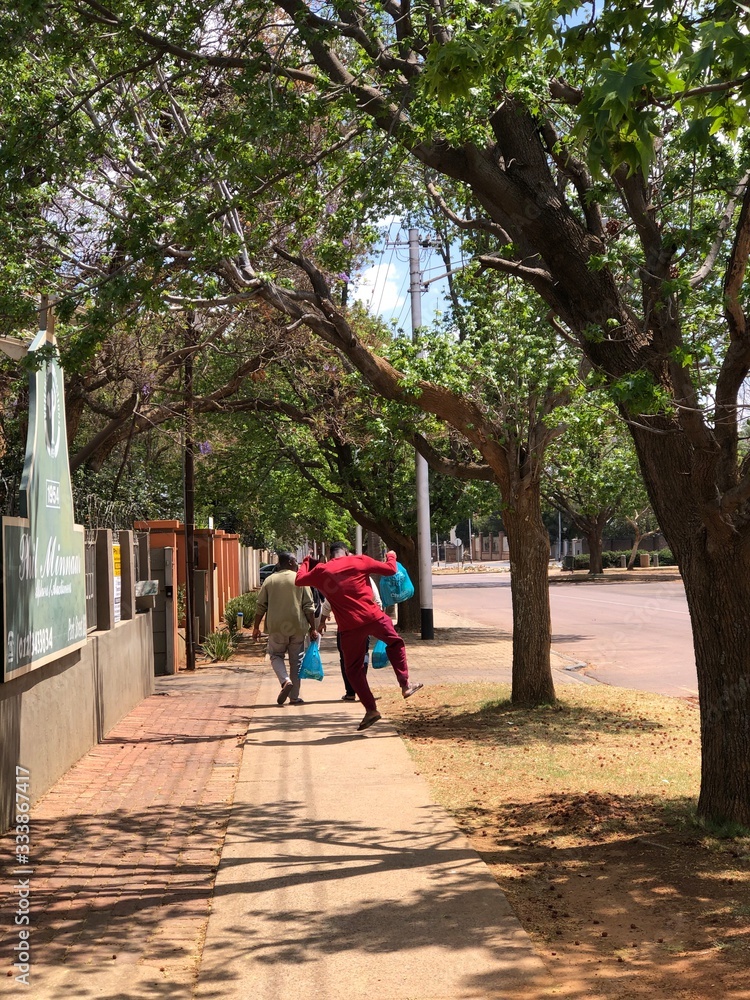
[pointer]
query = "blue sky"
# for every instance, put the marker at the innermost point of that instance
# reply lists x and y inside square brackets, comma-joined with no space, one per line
[383,285]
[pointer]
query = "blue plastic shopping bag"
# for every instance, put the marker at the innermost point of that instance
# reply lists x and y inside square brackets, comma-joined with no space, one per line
[312,665]
[395,589]
[379,656]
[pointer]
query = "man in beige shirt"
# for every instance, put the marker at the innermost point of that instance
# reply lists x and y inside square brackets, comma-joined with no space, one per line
[288,611]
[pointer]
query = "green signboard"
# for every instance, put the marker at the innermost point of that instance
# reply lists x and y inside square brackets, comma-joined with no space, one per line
[44,594]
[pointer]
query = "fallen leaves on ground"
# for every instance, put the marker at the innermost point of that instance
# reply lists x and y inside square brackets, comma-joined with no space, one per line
[584,812]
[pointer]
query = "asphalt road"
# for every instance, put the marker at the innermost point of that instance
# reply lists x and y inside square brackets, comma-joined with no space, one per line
[634,635]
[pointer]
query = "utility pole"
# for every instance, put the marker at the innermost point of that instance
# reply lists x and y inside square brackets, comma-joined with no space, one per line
[424,542]
[189,497]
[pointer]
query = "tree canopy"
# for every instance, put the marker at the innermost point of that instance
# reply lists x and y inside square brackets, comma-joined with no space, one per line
[172,156]
[592,473]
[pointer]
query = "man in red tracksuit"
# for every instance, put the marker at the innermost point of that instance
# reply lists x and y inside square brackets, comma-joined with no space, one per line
[345,581]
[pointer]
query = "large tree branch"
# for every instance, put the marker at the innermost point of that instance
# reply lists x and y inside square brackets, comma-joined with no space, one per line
[384,527]
[482,225]
[400,13]
[536,276]
[736,497]
[351,26]
[387,113]
[106,434]
[632,185]
[736,269]
[150,415]
[437,29]
[576,171]
[724,223]
[714,88]
[163,45]
[448,466]
[587,523]
[736,363]
[560,90]
[334,328]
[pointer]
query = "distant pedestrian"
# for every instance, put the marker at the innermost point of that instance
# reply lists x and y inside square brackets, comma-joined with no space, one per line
[345,581]
[289,614]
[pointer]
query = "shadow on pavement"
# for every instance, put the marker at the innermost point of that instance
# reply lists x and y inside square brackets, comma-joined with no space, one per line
[458,636]
[134,911]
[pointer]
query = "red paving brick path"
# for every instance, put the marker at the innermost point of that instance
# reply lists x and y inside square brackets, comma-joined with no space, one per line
[126,844]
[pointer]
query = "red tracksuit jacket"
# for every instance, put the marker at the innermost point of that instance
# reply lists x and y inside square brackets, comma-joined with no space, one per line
[346,583]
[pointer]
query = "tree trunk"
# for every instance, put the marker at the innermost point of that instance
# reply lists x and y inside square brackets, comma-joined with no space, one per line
[715,568]
[718,594]
[633,522]
[637,541]
[409,617]
[594,539]
[528,542]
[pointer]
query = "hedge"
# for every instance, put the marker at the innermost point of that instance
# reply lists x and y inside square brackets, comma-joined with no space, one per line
[247,604]
[611,560]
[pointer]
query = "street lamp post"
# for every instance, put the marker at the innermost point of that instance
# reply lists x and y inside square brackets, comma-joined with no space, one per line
[424,544]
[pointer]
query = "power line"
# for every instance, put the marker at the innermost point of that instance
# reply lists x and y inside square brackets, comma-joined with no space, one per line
[384,279]
[405,297]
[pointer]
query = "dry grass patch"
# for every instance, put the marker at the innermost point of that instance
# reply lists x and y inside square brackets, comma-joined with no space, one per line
[585,813]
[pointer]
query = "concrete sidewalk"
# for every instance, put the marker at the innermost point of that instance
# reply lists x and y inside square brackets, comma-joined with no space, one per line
[338,876]
[341,879]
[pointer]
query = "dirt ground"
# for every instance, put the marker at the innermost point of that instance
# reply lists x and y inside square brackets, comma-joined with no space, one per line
[585,814]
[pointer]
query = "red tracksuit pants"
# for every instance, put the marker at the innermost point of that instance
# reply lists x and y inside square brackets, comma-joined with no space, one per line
[354,648]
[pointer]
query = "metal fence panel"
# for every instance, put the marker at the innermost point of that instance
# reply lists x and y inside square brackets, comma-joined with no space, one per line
[90,567]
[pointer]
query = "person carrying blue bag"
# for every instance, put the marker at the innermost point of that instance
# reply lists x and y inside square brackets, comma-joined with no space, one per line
[345,581]
[312,665]
[397,588]
[288,611]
